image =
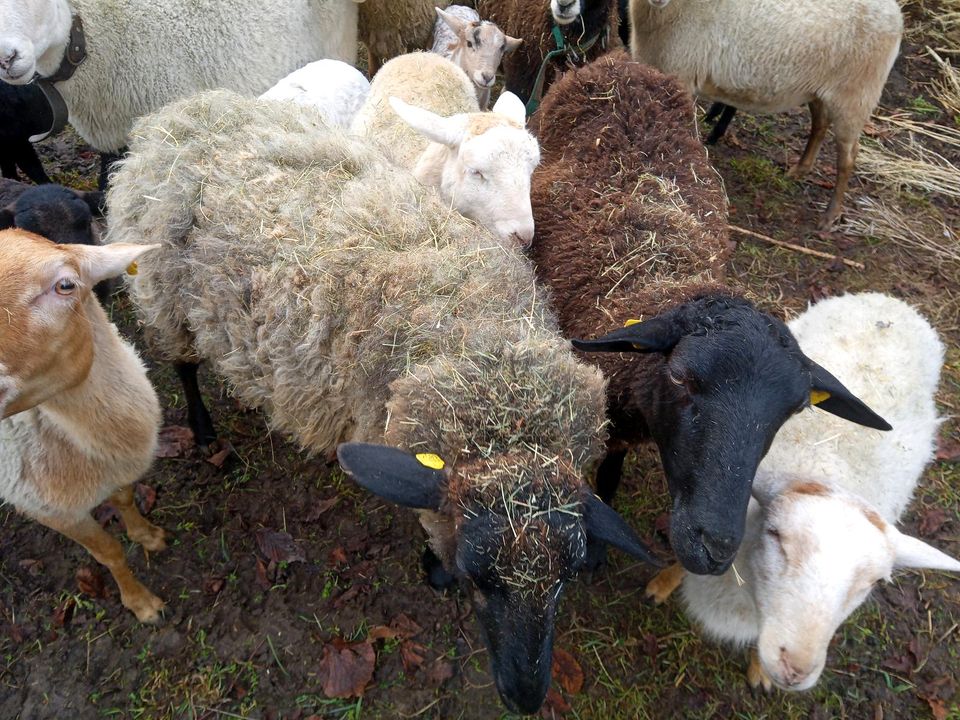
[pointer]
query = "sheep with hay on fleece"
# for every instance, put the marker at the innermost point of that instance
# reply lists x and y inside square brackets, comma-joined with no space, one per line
[476,46]
[141,54]
[423,112]
[333,290]
[631,225]
[822,534]
[764,56]
[333,87]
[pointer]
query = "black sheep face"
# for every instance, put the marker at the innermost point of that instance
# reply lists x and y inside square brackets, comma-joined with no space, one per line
[517,532]
[57,213]
[729,377]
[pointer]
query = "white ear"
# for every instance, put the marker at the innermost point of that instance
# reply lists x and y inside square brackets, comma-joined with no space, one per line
[99,262]
[914,553]
[510,105]
[452,21]
[446,131]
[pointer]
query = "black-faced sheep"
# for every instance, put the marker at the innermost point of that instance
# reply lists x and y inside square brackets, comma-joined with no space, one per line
[340,295]
[631,225]
[772,56]
[24,113]
[822,535]
[142,54]
[78,417]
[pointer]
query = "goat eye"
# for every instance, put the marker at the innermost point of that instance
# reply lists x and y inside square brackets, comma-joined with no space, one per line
[65,287]
[469,44]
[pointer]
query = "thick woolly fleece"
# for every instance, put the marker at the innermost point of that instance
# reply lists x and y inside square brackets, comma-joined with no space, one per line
[393,27]
[143,54]
[630,216]
[337,293]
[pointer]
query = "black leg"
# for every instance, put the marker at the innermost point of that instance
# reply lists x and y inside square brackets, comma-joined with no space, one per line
[30,164]
[437,577]
[726,115]
[197,415]
[714,112]
[608,475]
[8,167]
[106,164]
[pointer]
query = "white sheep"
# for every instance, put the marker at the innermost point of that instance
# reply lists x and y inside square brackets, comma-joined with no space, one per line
[772,56]
[423,111]
[476,46]
[141,54]
[821,533]
[335,88]
[78,417]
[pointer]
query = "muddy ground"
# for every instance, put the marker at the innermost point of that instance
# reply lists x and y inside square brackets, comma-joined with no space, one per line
[257,619]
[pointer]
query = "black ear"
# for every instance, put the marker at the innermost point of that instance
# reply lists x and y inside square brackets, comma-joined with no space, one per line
[605,524]
[95,200]
[840,401]
[7,218]
[392,474]
[658,334]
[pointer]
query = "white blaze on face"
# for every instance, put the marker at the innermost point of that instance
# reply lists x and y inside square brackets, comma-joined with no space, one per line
[565,11]
[32,33]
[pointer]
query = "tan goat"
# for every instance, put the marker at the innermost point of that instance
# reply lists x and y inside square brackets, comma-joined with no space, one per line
[78,417]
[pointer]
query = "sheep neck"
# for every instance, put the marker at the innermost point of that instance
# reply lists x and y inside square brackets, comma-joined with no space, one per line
[646,20]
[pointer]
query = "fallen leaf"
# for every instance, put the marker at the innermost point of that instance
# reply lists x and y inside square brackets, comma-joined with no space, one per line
[63,613]
[213,585]
[938,709]
[174,441]
[931,520]
[902,664]
[90,582]
[218,458]
[948,450]
[406,627]
[262,580]
[439,672]
[320,508]
[649,645]
[554,705]
[411,655]
[338,556]
[32,567]
[382,632]
[145,497]
[346,668]
[566,671]
[279,546]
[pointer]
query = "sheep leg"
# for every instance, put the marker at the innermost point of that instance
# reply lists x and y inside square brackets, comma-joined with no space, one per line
[28,161]
[106,165]
[756,675]
[846,156]
[139,529]
[664,583]
[437,576]
[107,551]
[197,416]
[373,64]
[726,113]
[608,475]
[819,122]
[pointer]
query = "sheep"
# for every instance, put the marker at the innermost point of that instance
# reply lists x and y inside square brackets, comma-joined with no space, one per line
[588,29]
[335,88]
[631,224]
[769,57]
[78,417]
[822,534]
[144,53]
[423,111]
[474,45]
[24,113]
[335,292]
[389,28]
[57,213]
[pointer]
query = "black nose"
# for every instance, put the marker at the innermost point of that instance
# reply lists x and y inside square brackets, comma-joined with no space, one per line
[564,8]
[720,548]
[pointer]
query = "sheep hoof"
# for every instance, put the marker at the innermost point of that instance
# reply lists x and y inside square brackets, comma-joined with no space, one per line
[145,605]
[756,676]
[798,171]
[151,538]
[828,219]
[664,583]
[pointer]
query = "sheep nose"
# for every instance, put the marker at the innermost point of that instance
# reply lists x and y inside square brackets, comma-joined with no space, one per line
[487,78]
[522,239]
[789,674]
[9,60]
[563,8]
[720,548]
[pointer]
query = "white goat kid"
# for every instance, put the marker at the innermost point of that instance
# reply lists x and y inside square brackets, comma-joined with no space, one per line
[822,534]
[78,417]
[476,45]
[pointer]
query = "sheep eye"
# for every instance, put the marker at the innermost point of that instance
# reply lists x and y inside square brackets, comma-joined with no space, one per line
[477,174]
[675,380]
[65,287]
[774,533]
[469,44]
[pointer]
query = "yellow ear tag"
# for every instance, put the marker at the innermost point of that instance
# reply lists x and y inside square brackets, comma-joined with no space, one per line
[631,321]
[431,461]
[132,268]
[818,396]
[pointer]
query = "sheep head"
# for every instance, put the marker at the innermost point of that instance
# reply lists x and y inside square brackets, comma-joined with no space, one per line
[820,552]
[481,163]
[481,47]
[57,213]
[46,345]
[724,378]
[33,37]
[516,531]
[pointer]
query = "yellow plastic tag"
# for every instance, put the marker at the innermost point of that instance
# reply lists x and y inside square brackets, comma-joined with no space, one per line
[631,321]
[431,461]
[132,268]
[818,396]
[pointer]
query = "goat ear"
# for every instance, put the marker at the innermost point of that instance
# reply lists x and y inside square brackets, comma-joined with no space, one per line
[7,218]
[512,44]
[914,553]
[96,201]
[99,262]
[446,131]
[452,21]
[605,524]
[658,334]
[512,107]
[828,393]
[395,475]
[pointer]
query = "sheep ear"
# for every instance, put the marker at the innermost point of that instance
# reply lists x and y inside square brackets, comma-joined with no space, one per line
[395,475]
[914,553]
[99,262]
[658,334]
[605,524]
[512,107]
[7,218]
[452,21]
[446,131]
[828,393]
[512,44]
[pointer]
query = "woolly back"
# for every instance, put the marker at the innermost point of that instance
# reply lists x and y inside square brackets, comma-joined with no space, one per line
[889,356]
[323,281]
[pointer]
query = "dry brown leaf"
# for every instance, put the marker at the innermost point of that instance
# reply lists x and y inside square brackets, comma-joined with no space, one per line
[145,497]
[218,458]
[279,546]
[90,582]
[931,520]
[174,441]
[63,614]
[346,668]
[948,450]
[439,672]
[338,556]
[554,705]
[566,671]
[213,585]
[938,708]
[262,579]
[412,655]
[382,632]
[320,508]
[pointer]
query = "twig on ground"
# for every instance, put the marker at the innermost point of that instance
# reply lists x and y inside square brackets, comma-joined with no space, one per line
[797,248]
